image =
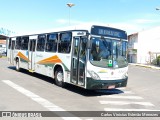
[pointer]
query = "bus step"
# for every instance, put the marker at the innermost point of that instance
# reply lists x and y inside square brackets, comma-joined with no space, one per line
[32,71]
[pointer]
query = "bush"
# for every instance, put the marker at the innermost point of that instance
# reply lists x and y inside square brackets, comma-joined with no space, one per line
[0,55]
[158,60]
[154,62]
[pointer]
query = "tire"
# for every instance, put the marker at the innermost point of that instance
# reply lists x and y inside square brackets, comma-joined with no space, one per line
[59,77]
[17,65]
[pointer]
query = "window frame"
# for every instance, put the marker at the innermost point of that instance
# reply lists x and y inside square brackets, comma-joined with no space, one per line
[63,45]
[54,44]
[9,43]
[24,38]
[18,43]
[41,45]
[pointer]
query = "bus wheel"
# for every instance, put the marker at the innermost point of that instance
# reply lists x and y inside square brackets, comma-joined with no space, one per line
[17,65]
[59,77]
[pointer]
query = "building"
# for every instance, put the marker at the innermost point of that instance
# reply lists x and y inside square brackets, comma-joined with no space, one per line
[132,48]
[144,46]
[2,41]
[4,34]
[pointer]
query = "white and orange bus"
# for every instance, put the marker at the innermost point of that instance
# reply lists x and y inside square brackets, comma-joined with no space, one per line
[91,58]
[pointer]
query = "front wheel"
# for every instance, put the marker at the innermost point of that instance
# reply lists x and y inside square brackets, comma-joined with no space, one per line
[59,77]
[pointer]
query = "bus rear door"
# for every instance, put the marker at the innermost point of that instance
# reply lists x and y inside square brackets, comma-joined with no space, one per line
[31,53]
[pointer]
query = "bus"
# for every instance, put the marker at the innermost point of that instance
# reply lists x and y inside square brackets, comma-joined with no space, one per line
[89,57]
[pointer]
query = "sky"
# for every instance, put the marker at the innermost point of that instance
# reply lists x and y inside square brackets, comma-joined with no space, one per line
[23,16]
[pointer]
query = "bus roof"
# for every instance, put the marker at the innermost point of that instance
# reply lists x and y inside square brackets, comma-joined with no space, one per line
[61,29]
[86,27]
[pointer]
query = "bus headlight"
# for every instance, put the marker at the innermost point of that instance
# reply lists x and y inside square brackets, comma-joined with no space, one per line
[125,75]
[93,75]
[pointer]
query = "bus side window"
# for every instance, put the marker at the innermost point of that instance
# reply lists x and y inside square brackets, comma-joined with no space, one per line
[24,43]
[18,43]
[41,42]
[64,45]
[51,44]
[83,49]
[9,47]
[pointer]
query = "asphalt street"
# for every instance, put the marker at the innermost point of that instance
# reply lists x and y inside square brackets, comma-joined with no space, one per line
[24,91]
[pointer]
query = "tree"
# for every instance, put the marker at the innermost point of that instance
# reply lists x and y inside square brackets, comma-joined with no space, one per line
[158,60]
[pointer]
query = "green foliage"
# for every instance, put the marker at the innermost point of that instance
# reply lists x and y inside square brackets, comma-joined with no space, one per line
[154,62]
[158,57]
[158,60]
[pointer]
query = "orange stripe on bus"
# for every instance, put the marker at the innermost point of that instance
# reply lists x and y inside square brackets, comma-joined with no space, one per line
[22,56]
[53,59]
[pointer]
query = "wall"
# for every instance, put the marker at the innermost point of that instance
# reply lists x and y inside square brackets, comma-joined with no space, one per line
[148,41]
[2,41]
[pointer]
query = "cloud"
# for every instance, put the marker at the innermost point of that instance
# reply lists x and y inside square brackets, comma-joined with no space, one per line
[66,22]
[145,21]
[131,26]
[61,21]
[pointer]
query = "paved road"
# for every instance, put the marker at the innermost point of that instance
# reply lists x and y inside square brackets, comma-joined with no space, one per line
[146,83]
[24,91]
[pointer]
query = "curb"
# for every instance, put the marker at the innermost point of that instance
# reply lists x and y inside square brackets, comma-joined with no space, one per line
[3,57]
[146,66]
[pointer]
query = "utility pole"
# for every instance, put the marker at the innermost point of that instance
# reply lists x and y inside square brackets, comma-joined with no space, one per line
[70,5]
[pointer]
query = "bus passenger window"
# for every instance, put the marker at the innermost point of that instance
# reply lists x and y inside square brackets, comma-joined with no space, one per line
[41,42]
[24,43]
[64,45]
[51,44]
[9,47]
[18,43]
[83,48]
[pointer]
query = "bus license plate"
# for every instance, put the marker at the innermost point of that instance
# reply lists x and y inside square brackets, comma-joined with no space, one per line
[111,87]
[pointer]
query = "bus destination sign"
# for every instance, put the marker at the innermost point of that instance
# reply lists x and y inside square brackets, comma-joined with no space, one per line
[108,32]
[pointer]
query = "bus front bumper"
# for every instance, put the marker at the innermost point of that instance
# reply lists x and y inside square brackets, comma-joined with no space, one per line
[105,84]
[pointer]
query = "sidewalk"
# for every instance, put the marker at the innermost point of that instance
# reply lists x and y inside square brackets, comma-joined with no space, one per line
[146,66]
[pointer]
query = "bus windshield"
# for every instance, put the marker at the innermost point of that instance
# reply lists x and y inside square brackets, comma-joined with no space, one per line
[108,52]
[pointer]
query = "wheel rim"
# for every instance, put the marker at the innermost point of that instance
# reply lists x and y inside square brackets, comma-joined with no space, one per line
[60,76]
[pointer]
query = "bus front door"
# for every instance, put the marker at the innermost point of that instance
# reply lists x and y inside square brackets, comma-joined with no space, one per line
[78,61]
[31,54]
[13,42]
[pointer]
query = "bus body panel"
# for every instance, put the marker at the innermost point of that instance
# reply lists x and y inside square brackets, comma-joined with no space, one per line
[23,58]
[46,62]
[105,84]
[107,77]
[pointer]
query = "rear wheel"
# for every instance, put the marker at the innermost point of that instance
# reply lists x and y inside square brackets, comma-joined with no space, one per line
[59,77]
[17,65]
